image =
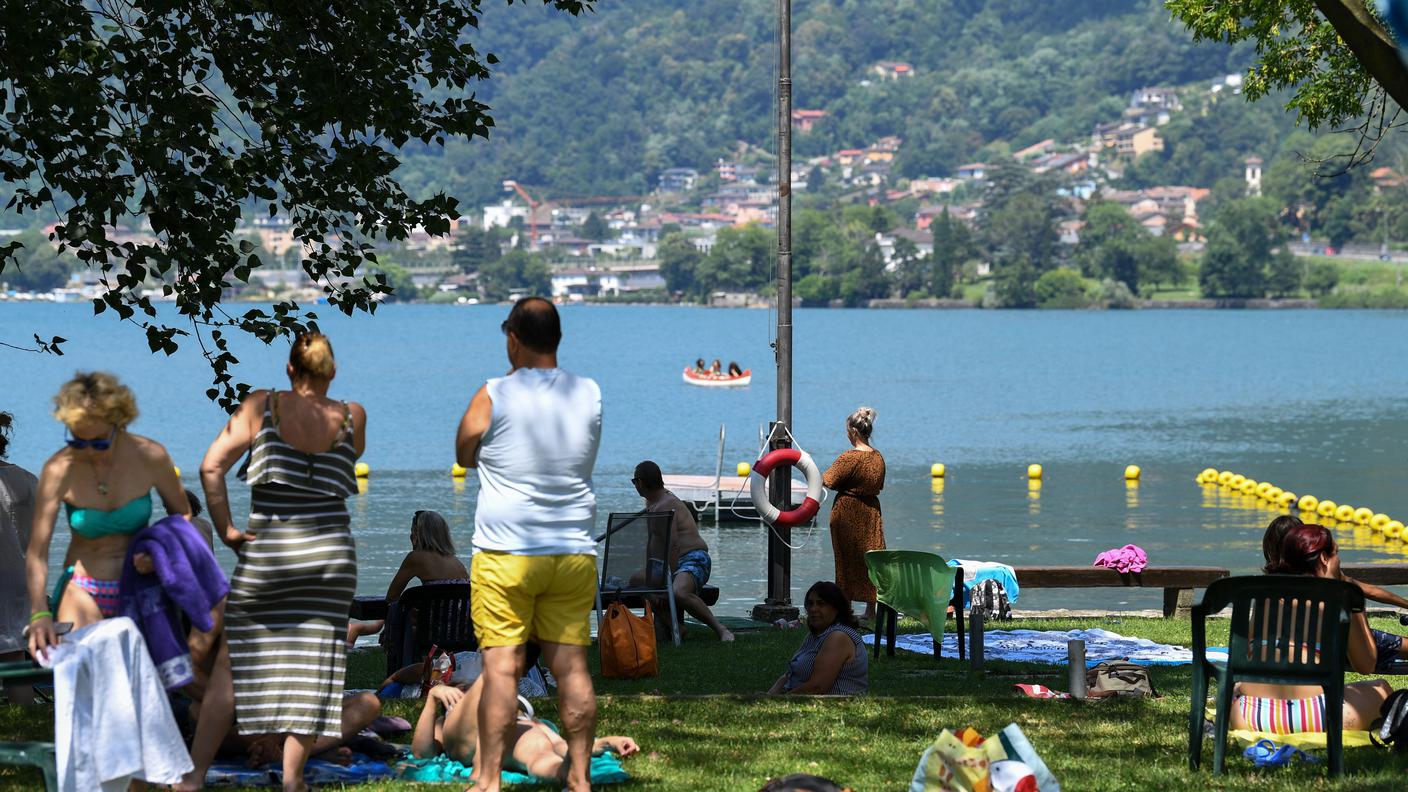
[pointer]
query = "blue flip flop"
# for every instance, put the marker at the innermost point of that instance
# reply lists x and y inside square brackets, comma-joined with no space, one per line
[1265,753]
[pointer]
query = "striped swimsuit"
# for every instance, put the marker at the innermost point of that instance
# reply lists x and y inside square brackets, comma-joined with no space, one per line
[286,617]
[1283,716]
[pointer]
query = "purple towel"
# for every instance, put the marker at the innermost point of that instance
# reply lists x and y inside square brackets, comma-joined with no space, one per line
[1130,558]
[186,580]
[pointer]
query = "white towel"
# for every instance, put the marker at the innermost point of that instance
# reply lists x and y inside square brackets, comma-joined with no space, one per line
[112,722]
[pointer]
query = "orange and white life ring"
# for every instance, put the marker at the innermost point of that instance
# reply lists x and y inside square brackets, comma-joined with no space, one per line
[789,457]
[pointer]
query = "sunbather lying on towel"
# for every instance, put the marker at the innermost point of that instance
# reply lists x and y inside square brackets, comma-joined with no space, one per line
[535,748]
[358,711]
[1287,709]
[1389,648]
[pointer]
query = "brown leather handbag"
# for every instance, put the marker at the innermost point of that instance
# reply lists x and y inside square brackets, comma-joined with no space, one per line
[627,643]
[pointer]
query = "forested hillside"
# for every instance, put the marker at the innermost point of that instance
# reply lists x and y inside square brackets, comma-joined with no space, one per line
[599,105]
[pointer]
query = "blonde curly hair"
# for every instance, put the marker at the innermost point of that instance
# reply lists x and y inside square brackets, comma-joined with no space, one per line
[95,396]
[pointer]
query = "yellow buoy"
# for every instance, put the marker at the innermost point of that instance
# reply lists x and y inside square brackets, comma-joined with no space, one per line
[1326,508]
[1394,528]
[937,470]
[1034,471]
[743,469]
[1363,515]
[1209,474]
[1345,513]
[1225,478]
[1273,495]
[1378,521]
[1248,487]
[458,471]
[1237,480]
[1309,503]
[1287,498]
[363,470]
[1131,473]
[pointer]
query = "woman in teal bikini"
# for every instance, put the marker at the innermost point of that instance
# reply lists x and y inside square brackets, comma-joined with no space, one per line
[103,476]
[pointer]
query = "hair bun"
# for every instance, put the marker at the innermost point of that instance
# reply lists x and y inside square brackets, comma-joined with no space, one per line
[862,421]
[311,356]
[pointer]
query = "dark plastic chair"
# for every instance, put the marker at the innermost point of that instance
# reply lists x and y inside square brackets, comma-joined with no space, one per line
[36,754]
[1285,630]
[912,581]
[632,543]
[435,614]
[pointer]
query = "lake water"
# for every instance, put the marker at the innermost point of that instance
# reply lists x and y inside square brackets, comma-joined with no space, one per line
[1310,400]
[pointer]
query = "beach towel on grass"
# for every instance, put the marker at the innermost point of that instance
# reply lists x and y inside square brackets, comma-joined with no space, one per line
[606,769]
[1304,740]
[234,772]
[1036,646]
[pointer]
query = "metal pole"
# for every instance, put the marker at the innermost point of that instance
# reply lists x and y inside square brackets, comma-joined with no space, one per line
[780,568]
[778,603]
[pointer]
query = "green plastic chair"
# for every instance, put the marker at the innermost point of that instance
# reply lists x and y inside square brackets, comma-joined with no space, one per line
[1269,614]
[915,582]
[37,754]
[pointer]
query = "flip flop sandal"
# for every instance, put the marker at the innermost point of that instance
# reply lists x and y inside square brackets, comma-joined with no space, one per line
[1265,753]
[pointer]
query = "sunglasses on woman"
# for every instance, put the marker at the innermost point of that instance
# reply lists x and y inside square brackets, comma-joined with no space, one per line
[97,443]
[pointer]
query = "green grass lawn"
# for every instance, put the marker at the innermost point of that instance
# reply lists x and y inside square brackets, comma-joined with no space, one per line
[703,725]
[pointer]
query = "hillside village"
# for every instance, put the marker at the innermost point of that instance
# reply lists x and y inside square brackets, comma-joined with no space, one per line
[619,261]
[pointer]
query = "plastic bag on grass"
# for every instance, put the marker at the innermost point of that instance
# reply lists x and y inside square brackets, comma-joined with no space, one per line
[966,762]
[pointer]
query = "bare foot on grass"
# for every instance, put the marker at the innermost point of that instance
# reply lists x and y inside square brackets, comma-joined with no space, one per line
[190,782]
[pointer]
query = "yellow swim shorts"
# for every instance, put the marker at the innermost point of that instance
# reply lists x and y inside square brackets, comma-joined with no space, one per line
[515,598]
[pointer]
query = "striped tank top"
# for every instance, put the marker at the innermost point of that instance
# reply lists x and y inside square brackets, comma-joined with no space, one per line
[854,676]
[273,461]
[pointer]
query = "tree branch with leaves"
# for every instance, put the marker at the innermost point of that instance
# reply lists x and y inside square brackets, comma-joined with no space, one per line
[1336,56]
[186,116]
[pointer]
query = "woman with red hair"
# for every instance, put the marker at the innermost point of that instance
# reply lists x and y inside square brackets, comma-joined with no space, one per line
[1286,709]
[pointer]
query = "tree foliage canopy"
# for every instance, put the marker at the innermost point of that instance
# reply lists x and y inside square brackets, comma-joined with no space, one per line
[1335,55]
[187,114]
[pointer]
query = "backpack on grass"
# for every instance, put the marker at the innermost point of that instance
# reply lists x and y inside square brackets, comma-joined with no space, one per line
[1119,678]
[1391,728]
[989,599]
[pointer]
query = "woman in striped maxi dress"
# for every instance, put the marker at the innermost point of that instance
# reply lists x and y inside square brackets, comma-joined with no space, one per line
[286,618]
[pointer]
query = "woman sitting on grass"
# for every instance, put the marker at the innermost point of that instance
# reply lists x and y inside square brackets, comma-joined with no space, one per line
[832,660]
[431,560]
[1287,709]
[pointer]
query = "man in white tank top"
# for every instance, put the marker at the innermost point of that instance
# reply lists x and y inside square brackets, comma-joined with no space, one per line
[533,436]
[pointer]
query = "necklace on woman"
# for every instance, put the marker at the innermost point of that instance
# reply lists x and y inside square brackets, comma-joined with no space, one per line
[102,481]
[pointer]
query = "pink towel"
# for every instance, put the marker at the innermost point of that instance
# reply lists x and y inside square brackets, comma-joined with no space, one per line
[1041,691]
[1130,558]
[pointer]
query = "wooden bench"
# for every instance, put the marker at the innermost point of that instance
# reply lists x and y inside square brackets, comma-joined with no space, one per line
[1177,582]
[373,606]
[1377,575]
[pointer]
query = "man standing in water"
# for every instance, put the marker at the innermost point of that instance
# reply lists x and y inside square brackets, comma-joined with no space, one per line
[689,561]
[533,435]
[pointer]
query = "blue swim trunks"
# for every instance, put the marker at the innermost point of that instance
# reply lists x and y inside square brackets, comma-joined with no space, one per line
[698,564]
[1388,646]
